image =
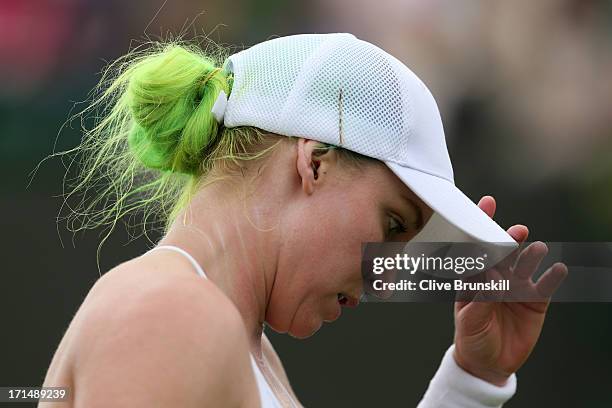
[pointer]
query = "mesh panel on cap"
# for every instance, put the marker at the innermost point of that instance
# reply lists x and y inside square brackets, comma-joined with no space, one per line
[263,76]
[338,89]
[371,111]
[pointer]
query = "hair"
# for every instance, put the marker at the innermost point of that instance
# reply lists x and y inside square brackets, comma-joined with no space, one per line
[153,141]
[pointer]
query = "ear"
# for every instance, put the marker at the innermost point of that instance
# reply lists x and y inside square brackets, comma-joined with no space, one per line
[312,164]
[307,165]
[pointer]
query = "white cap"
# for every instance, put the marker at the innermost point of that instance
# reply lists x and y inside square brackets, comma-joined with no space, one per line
[338,89]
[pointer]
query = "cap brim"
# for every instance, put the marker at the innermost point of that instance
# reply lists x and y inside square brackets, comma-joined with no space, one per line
[456,218]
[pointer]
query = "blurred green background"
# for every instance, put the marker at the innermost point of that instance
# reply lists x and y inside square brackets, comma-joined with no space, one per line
[525,90]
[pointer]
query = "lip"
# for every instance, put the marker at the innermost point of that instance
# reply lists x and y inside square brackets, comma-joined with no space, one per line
[351,302]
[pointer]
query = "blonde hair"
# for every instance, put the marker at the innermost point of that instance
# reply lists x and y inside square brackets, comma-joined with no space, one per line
[154,142]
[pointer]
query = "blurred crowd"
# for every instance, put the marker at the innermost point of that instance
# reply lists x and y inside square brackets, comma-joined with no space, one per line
[524,86]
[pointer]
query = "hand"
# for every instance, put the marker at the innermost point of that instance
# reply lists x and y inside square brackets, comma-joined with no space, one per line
[494,339]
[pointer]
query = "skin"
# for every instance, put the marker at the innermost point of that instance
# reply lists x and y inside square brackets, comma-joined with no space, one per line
[277,245]
[494,339]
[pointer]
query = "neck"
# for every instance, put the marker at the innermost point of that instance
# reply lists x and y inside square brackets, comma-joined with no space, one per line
[234,251]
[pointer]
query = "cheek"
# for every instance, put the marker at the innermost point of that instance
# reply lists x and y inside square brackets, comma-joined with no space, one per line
[353,226]
[335,254]
[332,245]
[318,259]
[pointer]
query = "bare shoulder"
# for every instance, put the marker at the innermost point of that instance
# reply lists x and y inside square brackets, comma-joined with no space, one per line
[144,284]
[143,293]
[152,332]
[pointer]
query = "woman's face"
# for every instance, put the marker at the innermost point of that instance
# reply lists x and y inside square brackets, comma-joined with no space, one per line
[337,208]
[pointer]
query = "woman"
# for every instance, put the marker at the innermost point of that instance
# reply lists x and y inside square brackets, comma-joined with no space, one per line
[324,142]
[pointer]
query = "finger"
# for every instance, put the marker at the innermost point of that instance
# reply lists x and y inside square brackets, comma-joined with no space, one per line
[462,297]
[529,260]
[500,294]
[519,233]
[550,280]
[488,205]
[493,275]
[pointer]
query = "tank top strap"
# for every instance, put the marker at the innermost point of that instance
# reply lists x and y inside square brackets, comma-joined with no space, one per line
[186,254]
[267,397]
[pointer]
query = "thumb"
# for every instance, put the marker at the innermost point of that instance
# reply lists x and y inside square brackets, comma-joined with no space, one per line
[475,316]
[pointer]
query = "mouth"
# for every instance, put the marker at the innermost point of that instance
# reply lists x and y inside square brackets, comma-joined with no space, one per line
[347,300]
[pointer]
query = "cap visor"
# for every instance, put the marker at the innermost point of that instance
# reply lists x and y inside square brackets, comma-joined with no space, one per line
[457,218]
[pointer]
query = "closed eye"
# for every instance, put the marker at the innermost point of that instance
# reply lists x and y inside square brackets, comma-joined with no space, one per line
[396,226]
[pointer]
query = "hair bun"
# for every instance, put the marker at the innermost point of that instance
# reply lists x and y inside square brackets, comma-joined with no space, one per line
[170,95]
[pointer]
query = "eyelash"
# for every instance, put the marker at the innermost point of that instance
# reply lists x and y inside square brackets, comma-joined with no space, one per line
[400,226]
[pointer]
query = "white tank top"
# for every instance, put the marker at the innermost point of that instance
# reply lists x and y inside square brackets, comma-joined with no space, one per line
[266,396]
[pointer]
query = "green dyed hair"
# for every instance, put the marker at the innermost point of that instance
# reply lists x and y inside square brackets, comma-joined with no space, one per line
[153,140]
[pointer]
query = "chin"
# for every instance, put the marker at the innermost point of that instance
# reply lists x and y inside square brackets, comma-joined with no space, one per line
[298,328]
[304,330]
